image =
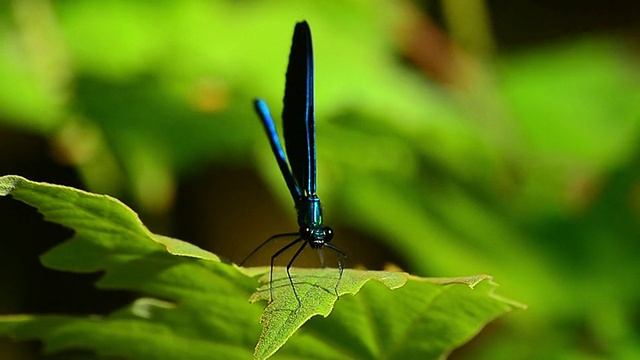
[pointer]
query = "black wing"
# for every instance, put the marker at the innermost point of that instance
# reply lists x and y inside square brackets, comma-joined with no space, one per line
[298,115]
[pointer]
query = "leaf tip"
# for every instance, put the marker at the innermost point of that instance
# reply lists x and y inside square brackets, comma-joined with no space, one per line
[8,183]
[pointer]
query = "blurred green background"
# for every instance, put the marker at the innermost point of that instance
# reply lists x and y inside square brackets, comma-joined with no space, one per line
[454,138]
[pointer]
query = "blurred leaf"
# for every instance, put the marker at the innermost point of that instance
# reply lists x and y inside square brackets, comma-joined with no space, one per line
[28,103]
[116,39]
[569,95]
[156,136]
[578,109]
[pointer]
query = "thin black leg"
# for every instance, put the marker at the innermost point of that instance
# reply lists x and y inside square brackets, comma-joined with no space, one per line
[265,243]
[273,258]
[295,256]
[342,261]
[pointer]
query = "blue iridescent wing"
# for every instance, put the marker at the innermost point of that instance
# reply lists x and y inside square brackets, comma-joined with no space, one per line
[270,127]
[298,115]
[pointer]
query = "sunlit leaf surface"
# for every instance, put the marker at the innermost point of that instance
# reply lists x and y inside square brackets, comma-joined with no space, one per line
[195,306]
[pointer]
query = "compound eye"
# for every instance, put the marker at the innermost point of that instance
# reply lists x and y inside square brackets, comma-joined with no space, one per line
[328,234]
[306,232]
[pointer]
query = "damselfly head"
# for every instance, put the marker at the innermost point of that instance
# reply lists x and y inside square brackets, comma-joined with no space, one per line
[317,236]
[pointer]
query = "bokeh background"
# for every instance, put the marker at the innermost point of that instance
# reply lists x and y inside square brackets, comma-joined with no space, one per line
[454,138]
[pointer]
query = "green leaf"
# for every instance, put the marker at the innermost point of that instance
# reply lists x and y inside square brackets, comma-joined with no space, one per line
[284,315]
[424,318]
[194,306]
